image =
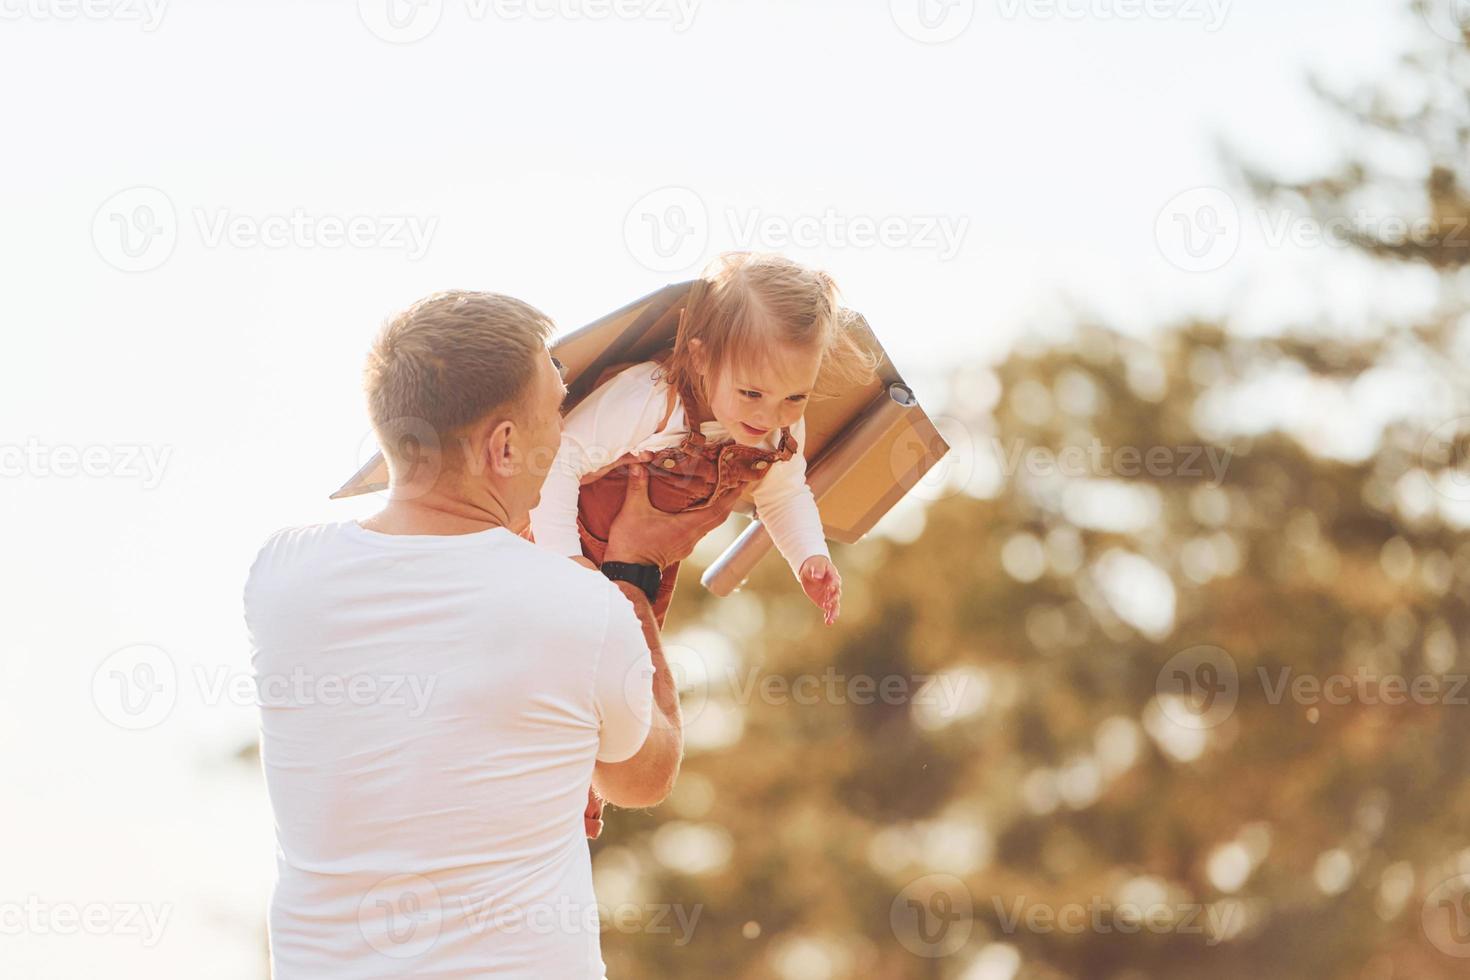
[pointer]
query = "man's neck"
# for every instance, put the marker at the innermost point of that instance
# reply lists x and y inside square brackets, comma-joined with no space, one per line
[436,514]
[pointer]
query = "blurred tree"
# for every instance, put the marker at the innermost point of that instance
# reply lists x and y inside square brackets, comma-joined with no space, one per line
[1125,610]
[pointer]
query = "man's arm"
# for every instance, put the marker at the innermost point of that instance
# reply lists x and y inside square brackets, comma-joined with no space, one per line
[641,534]
[648,777]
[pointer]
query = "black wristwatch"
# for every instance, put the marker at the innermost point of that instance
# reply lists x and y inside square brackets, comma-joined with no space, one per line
[645,577]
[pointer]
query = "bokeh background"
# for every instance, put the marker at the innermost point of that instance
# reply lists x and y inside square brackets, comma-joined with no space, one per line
[1162,673]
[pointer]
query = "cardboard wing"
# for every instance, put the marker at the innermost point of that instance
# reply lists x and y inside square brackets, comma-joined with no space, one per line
[865,447]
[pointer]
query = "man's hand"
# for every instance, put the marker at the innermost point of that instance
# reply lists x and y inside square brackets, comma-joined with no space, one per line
[592,816]
[644,535]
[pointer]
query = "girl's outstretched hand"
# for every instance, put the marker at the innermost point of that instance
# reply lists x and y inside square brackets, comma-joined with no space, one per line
[823,586]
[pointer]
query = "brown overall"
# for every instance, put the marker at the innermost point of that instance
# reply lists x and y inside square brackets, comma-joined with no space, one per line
[680,478]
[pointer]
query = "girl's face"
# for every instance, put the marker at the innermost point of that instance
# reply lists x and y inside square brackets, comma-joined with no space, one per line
[752,401]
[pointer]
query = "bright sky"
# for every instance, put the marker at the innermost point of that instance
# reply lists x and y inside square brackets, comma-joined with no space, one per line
[576,163]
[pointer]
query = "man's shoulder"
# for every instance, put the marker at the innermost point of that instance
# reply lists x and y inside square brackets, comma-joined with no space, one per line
[296,536]
[567,577]
[286,544]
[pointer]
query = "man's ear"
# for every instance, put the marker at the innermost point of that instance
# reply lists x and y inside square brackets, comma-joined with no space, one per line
[500,449]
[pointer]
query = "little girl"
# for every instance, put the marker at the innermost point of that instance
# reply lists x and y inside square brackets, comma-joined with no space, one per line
[758,335]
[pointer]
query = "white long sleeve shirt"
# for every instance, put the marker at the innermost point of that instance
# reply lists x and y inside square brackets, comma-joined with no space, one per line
[622,416]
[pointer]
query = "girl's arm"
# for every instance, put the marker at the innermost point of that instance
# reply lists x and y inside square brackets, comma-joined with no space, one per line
[609,422]
[785,505]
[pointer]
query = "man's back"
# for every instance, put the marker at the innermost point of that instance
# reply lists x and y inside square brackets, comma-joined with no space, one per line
[432,708]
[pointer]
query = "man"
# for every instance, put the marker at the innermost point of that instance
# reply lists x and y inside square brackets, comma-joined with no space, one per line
[437,692]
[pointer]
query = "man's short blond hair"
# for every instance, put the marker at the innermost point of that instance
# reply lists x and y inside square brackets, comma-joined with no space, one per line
[450,360]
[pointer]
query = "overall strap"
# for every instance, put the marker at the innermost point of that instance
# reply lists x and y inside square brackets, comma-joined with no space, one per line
[692,411]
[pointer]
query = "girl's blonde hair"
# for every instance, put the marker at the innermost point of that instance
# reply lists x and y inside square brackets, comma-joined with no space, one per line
[747,302]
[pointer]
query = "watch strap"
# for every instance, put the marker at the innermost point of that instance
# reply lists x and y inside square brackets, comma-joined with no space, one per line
[646,577]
